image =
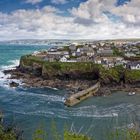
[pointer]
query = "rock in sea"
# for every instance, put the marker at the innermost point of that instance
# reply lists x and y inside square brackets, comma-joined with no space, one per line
[13,84]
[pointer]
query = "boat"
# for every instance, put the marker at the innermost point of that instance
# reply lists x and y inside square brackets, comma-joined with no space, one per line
[115,114]
[131,93]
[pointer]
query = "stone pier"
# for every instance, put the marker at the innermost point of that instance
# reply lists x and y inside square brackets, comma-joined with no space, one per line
[82,95]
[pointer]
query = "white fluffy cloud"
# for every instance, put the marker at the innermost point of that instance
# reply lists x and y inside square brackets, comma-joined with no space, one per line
[129,12]
[95,10]
[88,21]
[33,1]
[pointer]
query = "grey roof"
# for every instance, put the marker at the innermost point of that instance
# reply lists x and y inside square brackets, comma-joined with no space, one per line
[106,51]
[133,64]
[72,47]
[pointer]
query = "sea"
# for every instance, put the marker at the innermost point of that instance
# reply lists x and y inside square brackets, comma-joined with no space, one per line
[31,108]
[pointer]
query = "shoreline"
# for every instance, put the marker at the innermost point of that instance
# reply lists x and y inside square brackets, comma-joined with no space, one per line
[30,80]
[72,86]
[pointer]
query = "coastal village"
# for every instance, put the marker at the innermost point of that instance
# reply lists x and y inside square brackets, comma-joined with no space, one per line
[107,53]
[85,69]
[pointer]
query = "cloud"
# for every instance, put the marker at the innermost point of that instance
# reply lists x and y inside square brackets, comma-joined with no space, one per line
[59,1]
[95,10]
[128,12]
[90,20]
[33,1]
[39,23]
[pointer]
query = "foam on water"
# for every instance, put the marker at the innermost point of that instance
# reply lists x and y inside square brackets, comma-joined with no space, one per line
[96,112]
[52,98]
[12,65]
[40,113]
[126,126]
[4,79]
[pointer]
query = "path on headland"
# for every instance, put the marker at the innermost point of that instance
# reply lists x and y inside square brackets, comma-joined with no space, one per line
[82,95]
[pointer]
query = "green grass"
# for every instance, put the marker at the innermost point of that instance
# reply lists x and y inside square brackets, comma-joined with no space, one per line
[28,60]
[132,75]
[79,66]
[112,74]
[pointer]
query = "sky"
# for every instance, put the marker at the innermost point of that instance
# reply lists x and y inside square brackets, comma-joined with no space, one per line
[69,19]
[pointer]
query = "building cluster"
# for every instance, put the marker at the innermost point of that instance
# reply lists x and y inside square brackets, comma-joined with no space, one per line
[108,54]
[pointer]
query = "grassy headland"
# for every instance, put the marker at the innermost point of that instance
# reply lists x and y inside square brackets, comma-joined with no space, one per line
[81,70]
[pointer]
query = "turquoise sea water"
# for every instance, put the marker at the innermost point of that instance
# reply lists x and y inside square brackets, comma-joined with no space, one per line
[28,108]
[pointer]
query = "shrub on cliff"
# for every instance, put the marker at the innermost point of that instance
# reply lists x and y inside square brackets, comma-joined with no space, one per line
[110,75]
[79,70]
[74,136]
[7,134]
[132,75]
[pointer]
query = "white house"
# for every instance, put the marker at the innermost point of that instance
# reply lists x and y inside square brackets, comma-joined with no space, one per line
[136,67]
[93,46]
[74,54]
[79,50]
[90,53]
[63,59]
[98,60]
[67,56]
[35,53]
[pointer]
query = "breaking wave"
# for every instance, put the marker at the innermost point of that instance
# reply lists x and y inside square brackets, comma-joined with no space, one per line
[12,65]
[52,98]
[4,79]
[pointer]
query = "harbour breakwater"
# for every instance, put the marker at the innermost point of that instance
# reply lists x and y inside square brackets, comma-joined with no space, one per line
[82,95]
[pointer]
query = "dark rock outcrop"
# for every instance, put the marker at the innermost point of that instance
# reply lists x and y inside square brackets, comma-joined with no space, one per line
[14,84]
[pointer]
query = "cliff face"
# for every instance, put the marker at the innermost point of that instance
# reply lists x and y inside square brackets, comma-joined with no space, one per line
[120,75]
[80,71]
[133,77]
[50,70]
[59,70]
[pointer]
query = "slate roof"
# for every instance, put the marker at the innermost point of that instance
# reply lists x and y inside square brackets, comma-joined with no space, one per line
[133,64]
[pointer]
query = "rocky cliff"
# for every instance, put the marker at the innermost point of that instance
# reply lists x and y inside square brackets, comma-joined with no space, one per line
[79,71]
[50,70]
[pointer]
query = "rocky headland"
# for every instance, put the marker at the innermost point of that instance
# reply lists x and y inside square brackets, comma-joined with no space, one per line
[74,77]
[30,80]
